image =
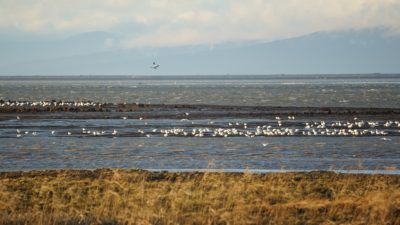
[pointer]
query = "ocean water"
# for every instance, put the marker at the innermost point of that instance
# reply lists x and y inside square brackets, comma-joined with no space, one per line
[278,90]
[59,140]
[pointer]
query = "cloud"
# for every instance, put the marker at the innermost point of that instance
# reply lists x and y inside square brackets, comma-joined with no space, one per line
[177,22]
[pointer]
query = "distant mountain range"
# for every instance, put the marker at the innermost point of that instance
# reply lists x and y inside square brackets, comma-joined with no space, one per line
[352,51]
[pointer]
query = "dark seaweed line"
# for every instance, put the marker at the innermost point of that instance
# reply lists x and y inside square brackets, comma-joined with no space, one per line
[265,110]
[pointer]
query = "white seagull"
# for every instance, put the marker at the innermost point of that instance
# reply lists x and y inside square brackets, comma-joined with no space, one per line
[155,66]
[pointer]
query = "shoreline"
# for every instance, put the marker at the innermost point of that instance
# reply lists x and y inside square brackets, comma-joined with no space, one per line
[389,171]
[187,172]
[125,196]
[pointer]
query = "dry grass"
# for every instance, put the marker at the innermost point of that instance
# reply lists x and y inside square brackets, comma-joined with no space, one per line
[138,197]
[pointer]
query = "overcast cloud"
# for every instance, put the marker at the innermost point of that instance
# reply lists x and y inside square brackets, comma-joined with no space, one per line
[182,22]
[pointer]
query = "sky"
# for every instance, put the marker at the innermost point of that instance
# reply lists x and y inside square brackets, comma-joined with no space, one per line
[75,37]
[159,23]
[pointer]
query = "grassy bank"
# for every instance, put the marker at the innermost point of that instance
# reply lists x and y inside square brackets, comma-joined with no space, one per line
[139,197]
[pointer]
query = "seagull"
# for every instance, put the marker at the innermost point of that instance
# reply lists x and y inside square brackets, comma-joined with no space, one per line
[114,132]
[155,66]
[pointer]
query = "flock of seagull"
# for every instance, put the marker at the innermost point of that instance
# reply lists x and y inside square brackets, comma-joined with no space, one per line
[278,126]
[236,129]
[47,103]
[338,128]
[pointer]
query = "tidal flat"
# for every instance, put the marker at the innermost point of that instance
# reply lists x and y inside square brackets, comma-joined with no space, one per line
[128,196]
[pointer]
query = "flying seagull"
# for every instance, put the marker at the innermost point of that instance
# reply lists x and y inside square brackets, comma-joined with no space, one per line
[155,66]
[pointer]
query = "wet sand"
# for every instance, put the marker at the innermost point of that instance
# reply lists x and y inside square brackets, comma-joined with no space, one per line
[177,111]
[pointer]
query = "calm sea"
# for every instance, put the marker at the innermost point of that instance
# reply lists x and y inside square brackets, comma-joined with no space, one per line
[39,148]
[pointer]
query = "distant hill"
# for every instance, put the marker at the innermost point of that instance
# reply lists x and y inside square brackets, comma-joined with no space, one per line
[353,51]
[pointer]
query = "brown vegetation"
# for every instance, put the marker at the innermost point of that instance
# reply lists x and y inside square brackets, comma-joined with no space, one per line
[139,197]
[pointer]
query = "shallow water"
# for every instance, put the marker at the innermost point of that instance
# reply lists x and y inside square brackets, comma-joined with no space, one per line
[141,144]
[290,153]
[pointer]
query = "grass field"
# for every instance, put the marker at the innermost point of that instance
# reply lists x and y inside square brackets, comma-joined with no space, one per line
[116,196]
